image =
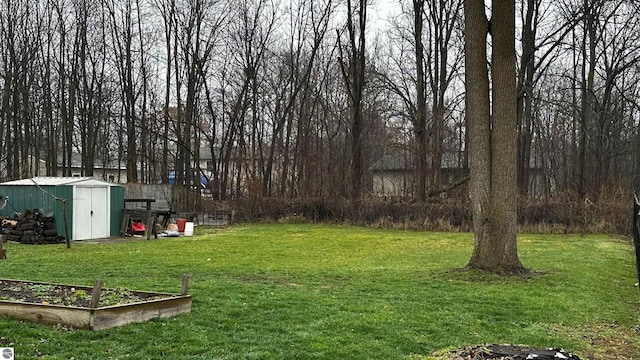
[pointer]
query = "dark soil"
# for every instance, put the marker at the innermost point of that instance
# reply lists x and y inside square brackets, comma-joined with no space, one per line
[510,352]
[64,295]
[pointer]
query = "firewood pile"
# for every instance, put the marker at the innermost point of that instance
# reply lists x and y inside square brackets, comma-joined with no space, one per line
[31,227]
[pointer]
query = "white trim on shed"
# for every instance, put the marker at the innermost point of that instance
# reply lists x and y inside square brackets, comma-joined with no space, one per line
[59,181]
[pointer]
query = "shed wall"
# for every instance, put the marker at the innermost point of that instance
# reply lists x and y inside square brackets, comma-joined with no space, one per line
[117,204]
[31,197]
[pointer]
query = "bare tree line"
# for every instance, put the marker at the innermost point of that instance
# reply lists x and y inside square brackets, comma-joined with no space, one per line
[300,98]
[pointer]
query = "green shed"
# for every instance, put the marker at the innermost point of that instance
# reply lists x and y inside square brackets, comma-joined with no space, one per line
[93,207]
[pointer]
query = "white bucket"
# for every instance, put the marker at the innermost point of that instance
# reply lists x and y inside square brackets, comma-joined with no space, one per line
[188,229]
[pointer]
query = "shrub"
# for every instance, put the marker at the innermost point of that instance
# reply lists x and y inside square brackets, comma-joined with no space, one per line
[535,216]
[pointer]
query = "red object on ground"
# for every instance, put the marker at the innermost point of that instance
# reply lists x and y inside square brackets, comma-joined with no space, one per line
[181,224]
[137,227]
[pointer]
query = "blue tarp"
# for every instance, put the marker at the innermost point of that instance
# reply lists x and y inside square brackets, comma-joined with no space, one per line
[203,179]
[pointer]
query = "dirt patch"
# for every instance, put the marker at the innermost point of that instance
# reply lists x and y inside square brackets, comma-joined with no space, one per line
[65,295]
[609,341]
[509,352]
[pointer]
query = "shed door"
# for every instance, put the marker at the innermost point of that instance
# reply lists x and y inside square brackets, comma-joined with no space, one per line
[91,213]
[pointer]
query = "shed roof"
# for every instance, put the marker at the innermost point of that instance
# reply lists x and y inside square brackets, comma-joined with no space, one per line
[59,181]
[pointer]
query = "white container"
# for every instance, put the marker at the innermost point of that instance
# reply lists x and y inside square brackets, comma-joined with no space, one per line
[188,229]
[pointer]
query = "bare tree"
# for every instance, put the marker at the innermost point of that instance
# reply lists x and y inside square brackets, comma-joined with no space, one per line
[352,62]
[442,68]
[91,82]
[122,36]
[420,122]
[309,20]
[197,24]
[20,27]
[167,12]
[540,48]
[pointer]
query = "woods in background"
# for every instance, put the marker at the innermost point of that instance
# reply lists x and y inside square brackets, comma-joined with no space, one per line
[301,98]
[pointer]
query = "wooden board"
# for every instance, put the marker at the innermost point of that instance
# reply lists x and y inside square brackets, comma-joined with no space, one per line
[78,318]
[108,317]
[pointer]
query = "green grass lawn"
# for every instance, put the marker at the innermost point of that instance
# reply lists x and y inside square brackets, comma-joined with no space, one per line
[338,292]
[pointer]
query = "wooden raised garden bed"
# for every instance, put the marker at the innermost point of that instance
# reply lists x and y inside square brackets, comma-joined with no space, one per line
[85,307]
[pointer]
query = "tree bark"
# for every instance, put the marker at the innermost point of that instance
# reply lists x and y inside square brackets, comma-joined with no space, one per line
[493,147]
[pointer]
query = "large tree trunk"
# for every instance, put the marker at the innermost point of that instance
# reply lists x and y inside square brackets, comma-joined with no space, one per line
[493,147]
[504,194]
[478,121]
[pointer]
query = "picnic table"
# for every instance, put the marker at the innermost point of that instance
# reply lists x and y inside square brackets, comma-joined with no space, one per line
[147,216]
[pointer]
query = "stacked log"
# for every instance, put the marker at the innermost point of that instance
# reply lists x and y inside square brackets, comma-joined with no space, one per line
[31,227]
